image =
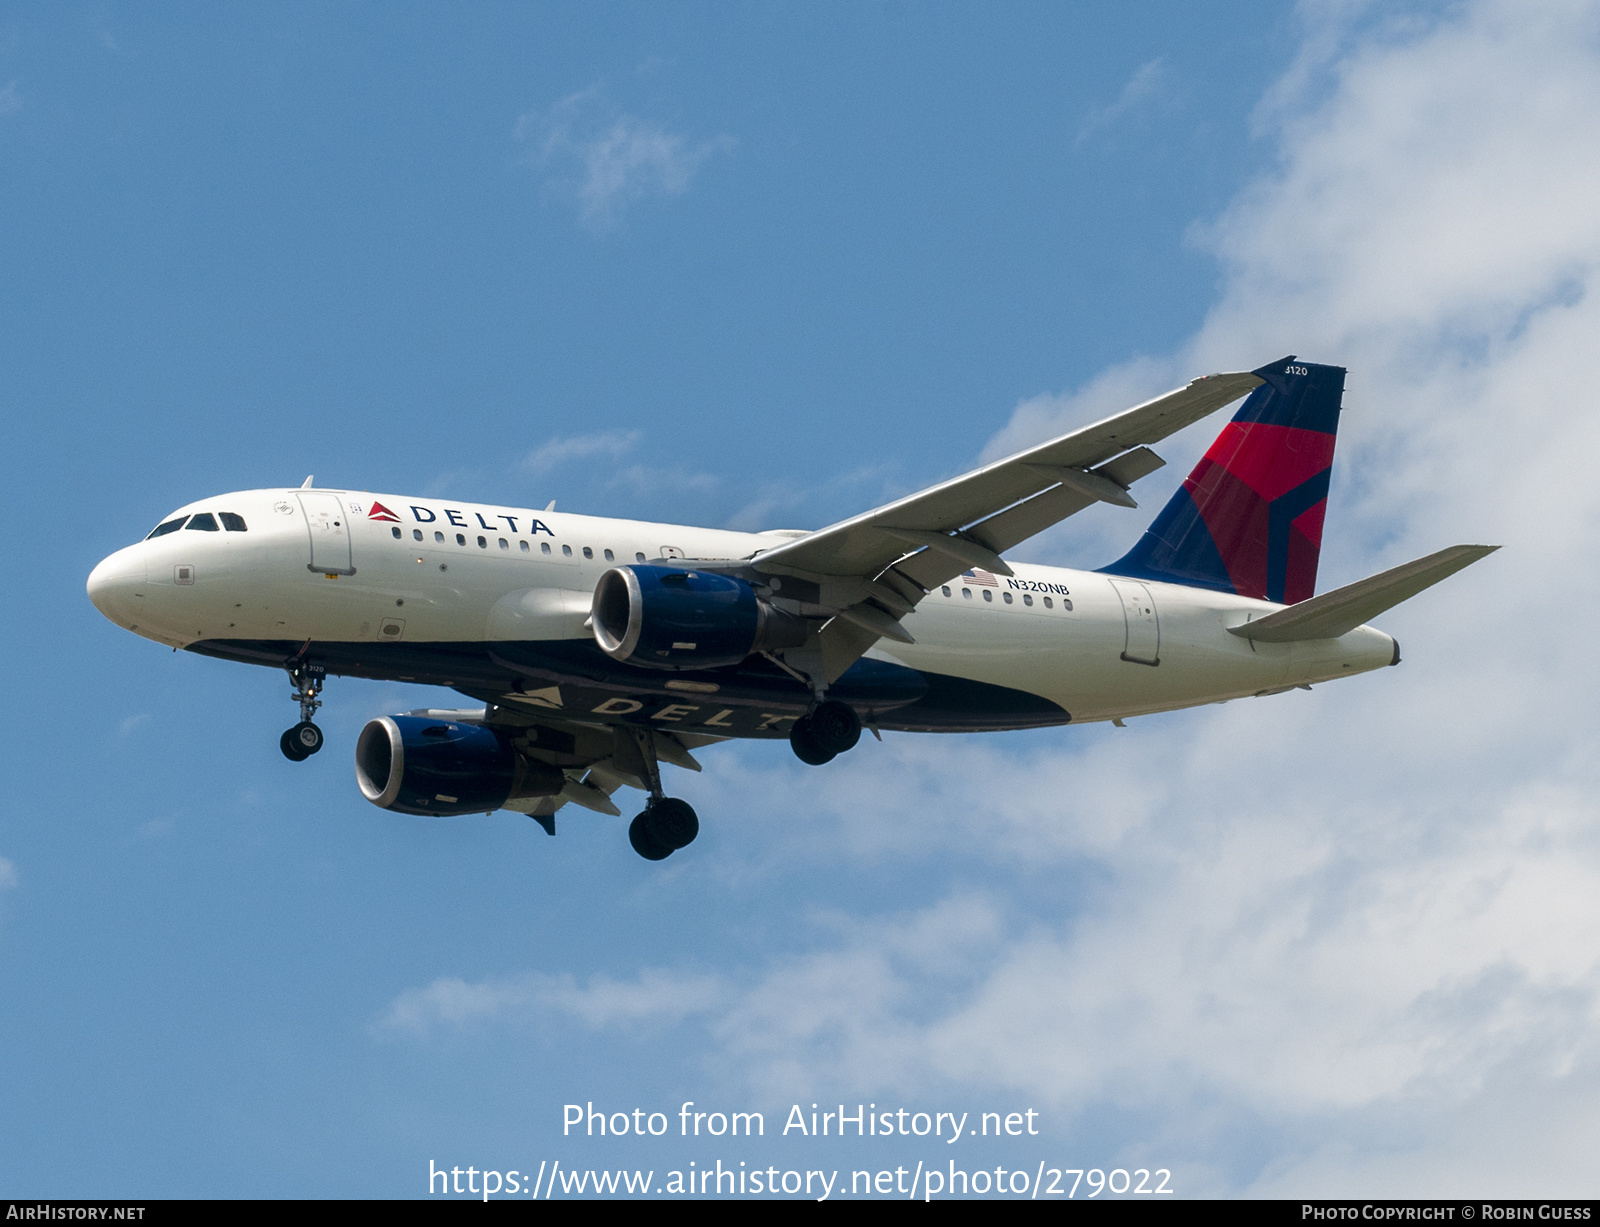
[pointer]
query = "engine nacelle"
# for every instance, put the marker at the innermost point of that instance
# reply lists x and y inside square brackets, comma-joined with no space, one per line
[673,618]
[425,765]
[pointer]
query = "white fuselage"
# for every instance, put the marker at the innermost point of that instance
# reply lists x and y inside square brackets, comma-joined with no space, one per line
[313,565]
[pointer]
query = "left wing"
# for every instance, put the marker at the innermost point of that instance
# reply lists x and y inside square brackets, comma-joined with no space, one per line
[596,759]
[873,568]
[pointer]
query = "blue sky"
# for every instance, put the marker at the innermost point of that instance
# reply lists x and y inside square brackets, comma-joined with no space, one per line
[766,266]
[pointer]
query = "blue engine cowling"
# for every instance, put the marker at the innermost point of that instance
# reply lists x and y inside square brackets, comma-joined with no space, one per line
[427,765]
[675,618]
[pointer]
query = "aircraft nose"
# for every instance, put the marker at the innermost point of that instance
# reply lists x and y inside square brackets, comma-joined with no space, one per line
[117,584]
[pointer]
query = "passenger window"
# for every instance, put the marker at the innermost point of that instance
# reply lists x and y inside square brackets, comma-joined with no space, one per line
[233,523]
[1048,603]
[639,557]
[416,534]
[1006,596]
[566,551]
[544,547]
[967,592]
[987,595]
[610,557]
[503,544]
[587,552]
[396,533]
[945,589]
[439,537]
[482,544]
[461,538]
[172,526]
[1027,598]
[205,522]
[524,545]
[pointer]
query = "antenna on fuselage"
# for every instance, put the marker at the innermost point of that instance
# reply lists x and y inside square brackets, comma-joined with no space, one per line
[552,506]
[306,484]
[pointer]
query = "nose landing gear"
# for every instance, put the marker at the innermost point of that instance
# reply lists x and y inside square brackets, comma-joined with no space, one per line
[304,739]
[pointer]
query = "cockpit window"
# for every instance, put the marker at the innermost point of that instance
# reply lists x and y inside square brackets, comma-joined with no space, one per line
[205,522]
[171,526]
[233,523]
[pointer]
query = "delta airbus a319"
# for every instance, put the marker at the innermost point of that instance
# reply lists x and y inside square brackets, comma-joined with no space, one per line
[601,648]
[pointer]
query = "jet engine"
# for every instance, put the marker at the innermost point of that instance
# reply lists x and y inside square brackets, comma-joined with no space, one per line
[671,618]
[424,765]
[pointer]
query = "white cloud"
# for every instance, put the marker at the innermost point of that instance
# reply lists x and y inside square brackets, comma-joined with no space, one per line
[557,452]
[640,481]
[8,874]
[1359,927]
[1368,917]
[777,504]
[10,99]
[605,160]
[1145,84]
[653,996]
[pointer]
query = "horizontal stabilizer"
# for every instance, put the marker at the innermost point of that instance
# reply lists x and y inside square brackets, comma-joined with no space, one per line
[1334,613]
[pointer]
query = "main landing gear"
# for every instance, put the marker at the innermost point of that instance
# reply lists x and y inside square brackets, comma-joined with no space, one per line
[667,823]
[305,738]
[828,730]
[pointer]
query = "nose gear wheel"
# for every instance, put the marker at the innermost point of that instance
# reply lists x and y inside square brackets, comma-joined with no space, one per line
[304,739]
[300,742]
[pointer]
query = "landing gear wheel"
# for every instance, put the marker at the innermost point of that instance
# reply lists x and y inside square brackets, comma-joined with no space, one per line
[835,727]
[301,742]
[665,826]
[644,841]
[672,822]
[803,740]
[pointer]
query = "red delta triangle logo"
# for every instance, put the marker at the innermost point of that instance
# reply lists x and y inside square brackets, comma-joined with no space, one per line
[380,512]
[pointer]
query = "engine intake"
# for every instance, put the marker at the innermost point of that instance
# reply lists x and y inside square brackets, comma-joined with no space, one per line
[425,765]
[671,618]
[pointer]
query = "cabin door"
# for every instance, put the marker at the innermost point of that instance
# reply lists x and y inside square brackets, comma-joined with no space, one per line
[328,523]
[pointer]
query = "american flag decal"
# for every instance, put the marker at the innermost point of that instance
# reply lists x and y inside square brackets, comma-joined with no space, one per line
[979,576]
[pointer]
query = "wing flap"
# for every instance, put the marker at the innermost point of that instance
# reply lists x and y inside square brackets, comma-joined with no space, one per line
[1335,613]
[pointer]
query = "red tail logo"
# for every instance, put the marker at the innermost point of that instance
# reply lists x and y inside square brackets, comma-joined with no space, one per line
[1249,519]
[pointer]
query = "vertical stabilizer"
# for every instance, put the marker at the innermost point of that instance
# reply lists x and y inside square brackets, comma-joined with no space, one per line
[1248,520]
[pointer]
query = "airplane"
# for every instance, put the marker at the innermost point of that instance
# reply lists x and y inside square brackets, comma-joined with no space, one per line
[601,649]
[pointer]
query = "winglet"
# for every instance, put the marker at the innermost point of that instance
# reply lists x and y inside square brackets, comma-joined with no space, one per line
[1334,613]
